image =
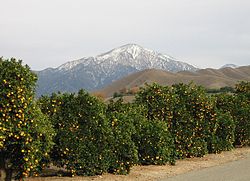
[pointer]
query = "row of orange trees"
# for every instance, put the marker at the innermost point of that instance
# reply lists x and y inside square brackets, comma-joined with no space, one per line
[82,134]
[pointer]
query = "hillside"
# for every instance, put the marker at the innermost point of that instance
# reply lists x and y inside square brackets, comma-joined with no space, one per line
[209,78]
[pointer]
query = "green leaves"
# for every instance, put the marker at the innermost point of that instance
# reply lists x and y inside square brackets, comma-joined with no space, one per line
[197,122]
[122,117]
[238,105]
[25,133]
[82,142]
[88,137]
[222,138]
[148,142]
[163,124]
[155,143]
[158,100]
[189,123]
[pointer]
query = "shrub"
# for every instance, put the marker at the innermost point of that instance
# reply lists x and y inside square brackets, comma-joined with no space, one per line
[222,133]
[243,88]
[191,120]
[159,102]
[124,150]
[154,142]
[243,121]
[238,106]
[25,133]
[186,109]
[83,134]
[116,94]
[241,115]
[221,90]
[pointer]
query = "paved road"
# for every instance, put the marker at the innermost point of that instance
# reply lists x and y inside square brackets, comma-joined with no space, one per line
[232,171]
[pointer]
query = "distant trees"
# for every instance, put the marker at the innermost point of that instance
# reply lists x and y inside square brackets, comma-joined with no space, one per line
[225,89]
[124,92]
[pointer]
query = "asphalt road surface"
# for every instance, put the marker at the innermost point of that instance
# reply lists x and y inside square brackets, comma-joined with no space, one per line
[232,171]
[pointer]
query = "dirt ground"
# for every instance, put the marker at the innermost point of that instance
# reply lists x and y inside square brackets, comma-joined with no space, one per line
[152,172]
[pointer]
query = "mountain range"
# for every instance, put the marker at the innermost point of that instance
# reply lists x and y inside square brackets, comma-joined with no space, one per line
[230,65]
[209,78]
[93,73]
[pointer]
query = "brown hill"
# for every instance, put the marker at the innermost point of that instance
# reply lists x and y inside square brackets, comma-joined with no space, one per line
[209,78]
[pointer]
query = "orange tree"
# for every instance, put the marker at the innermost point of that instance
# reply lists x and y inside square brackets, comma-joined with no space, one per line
[243,121]
[238,105]
[222,135]
[199,127]
[191,120]
[150,141]
[25,133]
[243,87]
[188,112]
[154,142]
[124,150]
[82,141]
[158,101]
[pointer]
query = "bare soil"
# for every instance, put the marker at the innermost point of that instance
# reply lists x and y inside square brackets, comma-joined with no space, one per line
[153,172]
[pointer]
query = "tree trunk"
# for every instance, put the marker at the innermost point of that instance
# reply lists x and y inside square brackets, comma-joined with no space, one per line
[2,169]
[8,175]
[2,174]
[5,173]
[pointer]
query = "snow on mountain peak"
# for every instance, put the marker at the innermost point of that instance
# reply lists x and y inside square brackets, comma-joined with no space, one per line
[230,65]
[131,49]
[71,64]
[135,50]
[131,55]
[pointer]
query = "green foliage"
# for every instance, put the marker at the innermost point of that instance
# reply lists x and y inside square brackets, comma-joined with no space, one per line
[92,138]
[50,105]
[243,87]
[154,142]
[239,108]
[222,133]
[25,133]
[116,94]
[221,90]
[163,124]
[83,133]
[241,115]
[225,102]
[187,111]
[227,89]
[124,150]
[158,100]
[190,123]
[151,140]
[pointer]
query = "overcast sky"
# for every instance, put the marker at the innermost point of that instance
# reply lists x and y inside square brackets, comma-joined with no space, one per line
[48,33]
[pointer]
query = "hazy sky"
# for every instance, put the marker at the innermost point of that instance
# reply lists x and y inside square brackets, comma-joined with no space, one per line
[48,33]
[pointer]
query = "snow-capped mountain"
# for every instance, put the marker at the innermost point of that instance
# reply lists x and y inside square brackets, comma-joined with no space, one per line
[92,73]
[230,66]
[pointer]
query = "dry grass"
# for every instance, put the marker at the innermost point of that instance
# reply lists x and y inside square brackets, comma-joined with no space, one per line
[209,78]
